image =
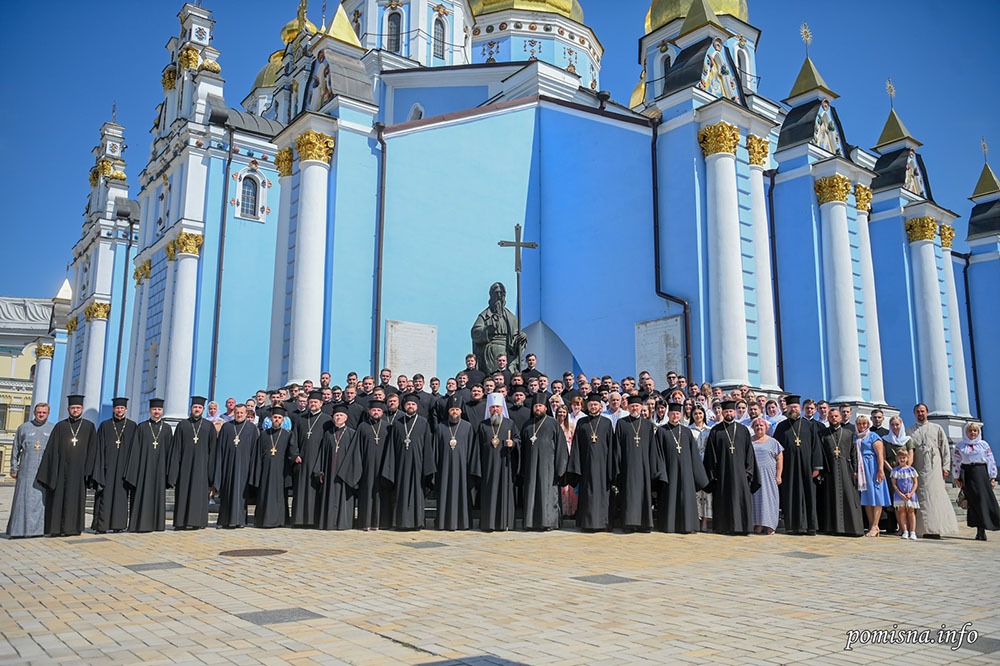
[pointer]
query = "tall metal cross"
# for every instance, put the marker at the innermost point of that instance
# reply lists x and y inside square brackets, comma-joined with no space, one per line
[518,245]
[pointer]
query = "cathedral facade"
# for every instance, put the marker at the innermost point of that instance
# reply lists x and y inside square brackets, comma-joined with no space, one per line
[347,216]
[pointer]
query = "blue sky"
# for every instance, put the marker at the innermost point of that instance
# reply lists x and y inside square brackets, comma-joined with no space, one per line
[68,60]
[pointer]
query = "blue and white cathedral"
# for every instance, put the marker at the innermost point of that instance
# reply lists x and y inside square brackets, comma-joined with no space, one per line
[347,216]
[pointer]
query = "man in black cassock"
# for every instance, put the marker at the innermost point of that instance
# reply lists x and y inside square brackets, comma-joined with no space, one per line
[542,465]
[677,500]
[474,407]
[271,470]
[838,498]
[640,464]
[731,467]
[233,458]
[337,473]
[592,466]
[453,454]
[374,494]
[409,459]
[68,466]
[497,441]
[355,408]
[146,471]
[114,437]
[518,411]
[309,436]
[803,461]
[190,464]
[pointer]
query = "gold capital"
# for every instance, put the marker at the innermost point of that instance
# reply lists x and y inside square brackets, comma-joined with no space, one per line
[833,188]
[719,138]
[97,310]
[863,197]
[758,147]
[211,66]
[71,325]
[142,272]
[171,250]
[45,351]
[169,79]
[94,176]
[947,233]
[104,166]
[187,243]
[188,58]
[283,162]
[314,146]
[921,229]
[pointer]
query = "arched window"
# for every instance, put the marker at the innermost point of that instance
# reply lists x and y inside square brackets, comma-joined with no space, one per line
[664,68]
[248,198]
[395,26]
[439,39]
[416,112]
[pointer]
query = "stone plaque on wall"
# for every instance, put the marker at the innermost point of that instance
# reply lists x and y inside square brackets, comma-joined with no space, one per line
[411,348]
[659,347]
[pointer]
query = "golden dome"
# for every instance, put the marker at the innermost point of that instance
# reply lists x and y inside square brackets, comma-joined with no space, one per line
[638,98]
[268,76]
[569,8]
[662,12]
[296,26]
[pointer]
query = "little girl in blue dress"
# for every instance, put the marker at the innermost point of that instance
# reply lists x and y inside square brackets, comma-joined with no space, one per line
[904,481]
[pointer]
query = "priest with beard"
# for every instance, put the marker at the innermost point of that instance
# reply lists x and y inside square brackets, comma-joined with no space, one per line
[391,411]
[592,466]
[542,467]
[274,457]
[68,466]
[146,472]
[839,500]
[190,464]
[114,437]
[408,461]
[497,442]
[454,454]
[803,461]
[374,494]
[231,478]
[309,432]
[640,465]
[677,501]
[731,467]
[337,473]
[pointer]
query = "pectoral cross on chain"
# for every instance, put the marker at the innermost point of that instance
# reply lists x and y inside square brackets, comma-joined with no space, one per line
[196,438]
[732,449]
[534,438]
[236,440]
[637,439]
[836,451]
[73,441]
[274,450]
[155,444]
[38,446]
[678,447]
[798,441]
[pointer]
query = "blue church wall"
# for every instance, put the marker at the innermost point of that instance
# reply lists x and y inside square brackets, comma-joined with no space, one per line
[750,278]
[984,276]
[494,50]
[958,268]
[435,101]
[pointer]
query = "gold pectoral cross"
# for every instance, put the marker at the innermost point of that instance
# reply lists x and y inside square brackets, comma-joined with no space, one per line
[637,439]
[678,447]
[836,451]
[38,446]
[118,443]
[196,439]
[155,444]
[236,440]
[274,450]
[593,437]
[797,441]
[73,441]
[732,449]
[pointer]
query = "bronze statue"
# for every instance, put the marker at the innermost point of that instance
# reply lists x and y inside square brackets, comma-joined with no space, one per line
[497,332]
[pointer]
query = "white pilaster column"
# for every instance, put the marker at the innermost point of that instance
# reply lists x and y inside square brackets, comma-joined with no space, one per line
[947,233]
[306,333]
[180,344]
[726,305]
[838,290]
[863,202]
[283,161]
[43,374]
[933,360]
[767,338]
[137,348]
[93,371]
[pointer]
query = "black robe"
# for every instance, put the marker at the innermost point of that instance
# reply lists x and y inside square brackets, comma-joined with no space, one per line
[731,467]
[838,497]
[271,474]
[798,491]
[452,474]
[640,465]
[337,473]
[305,495]
[474,411]
[65,471]
[677,501]
[374,494]
[356,413]
[190,464]
[496,468]
[111,502]
[146,475]
[231,478]
[593,466]
[541,469]
[519,415]
[406,467]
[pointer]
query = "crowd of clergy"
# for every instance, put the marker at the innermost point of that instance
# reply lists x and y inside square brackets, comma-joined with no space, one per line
[494,450]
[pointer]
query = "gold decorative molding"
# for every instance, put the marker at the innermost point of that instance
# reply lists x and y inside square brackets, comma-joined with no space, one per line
[758,147]
[104,166]
[283,162]
[171,250]
[169,79]
[313,145]
[863,197]
[94,177]
[142,272]
[833,188]
[45,351]
[97,310]
[921,229]
[71,325]
[188,58]
[187,243]
[211,66]
[947,233]
[117,175]
[719,138]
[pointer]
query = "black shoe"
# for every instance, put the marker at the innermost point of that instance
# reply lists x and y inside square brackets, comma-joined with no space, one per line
[932,536]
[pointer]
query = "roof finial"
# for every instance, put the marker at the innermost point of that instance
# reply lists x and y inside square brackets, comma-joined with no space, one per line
[807,36]
[986,151]
[891,89]
[323,29]
[301,15]
[114,113]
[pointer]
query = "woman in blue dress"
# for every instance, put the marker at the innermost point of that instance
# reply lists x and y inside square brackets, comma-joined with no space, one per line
[875,491]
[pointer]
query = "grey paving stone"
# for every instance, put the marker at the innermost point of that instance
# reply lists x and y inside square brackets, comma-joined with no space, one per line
[426,544]
[154,566]
[605,579]
[280,616]
[803,555]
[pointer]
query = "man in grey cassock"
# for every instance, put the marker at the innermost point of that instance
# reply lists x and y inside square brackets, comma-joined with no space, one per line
[27,510]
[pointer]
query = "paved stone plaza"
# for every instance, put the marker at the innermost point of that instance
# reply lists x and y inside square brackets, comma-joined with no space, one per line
[475,598]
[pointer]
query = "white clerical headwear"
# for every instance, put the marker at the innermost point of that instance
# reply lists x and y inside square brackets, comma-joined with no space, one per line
[498,400]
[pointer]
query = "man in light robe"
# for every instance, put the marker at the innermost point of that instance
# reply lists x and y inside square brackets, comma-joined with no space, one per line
[27,509]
